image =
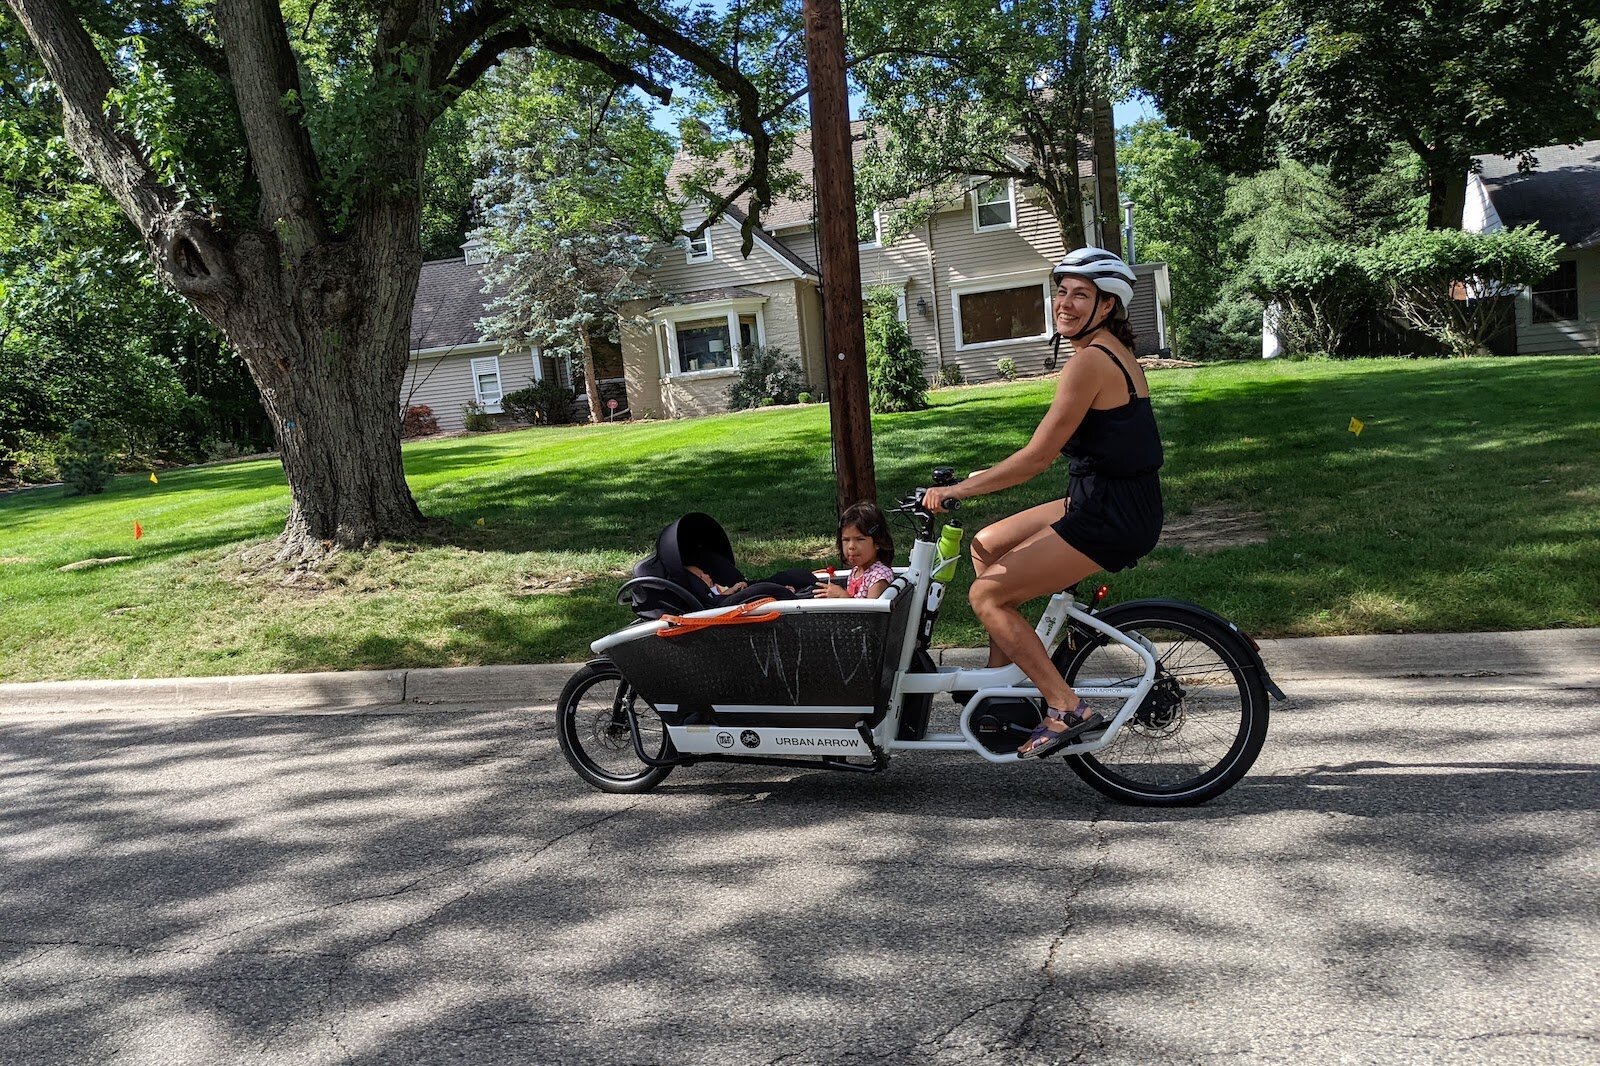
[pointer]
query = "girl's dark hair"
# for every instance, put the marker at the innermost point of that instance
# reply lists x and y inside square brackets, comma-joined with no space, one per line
[869,520]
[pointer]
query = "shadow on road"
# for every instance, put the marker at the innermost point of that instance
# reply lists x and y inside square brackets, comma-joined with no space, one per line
[410,888]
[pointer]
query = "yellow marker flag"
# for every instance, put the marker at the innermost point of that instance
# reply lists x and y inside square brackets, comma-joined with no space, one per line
[1356,426]
[153,479]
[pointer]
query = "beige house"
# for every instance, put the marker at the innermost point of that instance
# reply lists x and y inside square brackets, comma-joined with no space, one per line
[1561,314]
[452,367]
[973,288]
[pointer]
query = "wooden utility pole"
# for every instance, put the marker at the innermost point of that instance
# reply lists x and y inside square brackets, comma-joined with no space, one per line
[835,182]
[1109,221]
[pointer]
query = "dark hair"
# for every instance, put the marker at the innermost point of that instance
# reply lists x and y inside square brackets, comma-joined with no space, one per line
[870,521]
[1119,326]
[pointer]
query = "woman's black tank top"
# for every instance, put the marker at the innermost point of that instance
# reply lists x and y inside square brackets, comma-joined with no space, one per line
[1117,442]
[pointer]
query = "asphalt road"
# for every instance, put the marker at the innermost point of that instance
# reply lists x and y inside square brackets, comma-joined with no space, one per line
[1408,875]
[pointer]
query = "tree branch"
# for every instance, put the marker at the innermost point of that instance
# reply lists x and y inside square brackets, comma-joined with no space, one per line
[186,250]
[265,78]
[725,75]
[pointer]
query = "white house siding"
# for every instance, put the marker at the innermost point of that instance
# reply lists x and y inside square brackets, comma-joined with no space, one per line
[727,267]
[1024,253]
[906,265]
[1477,212]
[1565,338]
[444,382]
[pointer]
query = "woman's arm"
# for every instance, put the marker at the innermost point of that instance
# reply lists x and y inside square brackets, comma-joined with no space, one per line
[1076,388]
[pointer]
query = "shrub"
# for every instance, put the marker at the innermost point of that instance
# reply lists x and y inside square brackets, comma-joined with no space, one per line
[804,397]
[544,403]
[477,419]
[1006,367]
[418,421]
[950,374]
[1422,269]
[765,374]
[1316,291]
[1228,329]
[84,465]
[894,367]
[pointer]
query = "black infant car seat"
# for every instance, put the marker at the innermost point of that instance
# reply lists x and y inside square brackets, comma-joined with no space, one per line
[662,583]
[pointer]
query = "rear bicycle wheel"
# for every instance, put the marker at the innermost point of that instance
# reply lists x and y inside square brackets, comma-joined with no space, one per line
[593,730]
[1201,726]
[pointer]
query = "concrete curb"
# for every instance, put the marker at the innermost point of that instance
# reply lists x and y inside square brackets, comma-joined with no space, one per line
[1567,656]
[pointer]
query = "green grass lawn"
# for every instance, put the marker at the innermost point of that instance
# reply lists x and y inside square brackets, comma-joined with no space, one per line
[1471,500]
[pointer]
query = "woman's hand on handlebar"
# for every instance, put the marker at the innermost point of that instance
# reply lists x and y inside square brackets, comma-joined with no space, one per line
[940,500]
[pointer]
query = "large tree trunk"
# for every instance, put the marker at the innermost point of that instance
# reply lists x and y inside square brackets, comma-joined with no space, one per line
[1066,204]
[591,380]
[1447,192]
[327,344]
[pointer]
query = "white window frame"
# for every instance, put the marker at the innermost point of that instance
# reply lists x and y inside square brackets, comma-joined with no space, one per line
[1011,202]
[995,284]
[666,331]
[484,365]
[538,363]
[877,232]
[689,245]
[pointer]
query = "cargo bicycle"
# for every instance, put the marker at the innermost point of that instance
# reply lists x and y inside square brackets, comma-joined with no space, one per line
[847,684]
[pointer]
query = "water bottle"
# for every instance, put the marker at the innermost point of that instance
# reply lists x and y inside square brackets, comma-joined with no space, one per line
[949,552]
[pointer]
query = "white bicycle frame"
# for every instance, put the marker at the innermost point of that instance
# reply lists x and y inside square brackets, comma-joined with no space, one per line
[917,581]
[1001,681]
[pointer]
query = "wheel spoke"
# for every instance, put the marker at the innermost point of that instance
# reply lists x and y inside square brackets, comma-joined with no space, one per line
[1194,718]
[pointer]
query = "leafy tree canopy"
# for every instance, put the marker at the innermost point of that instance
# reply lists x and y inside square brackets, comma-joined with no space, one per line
[1340,84]
[961,88]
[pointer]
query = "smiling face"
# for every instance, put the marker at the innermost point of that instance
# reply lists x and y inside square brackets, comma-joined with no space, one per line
[858,548]
[1074,305]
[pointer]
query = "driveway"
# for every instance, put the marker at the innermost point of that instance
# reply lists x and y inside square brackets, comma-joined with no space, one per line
[1407,875]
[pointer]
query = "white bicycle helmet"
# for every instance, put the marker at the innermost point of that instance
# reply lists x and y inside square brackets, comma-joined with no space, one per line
[1106,269]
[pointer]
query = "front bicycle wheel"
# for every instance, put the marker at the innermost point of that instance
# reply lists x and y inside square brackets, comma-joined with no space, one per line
[1201,726]
[595,735]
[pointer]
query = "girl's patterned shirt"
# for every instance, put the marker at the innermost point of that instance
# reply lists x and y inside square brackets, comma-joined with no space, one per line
[861,581]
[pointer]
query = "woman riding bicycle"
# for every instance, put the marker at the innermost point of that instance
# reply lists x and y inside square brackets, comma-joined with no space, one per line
[1101,420]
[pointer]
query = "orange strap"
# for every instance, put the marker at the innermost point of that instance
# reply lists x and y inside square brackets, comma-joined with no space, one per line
[678,625]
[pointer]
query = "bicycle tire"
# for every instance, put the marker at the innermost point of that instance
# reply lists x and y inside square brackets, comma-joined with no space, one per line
[1175,705]
[585,722]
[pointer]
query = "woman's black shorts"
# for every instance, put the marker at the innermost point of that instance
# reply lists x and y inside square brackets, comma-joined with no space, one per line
[1115,521]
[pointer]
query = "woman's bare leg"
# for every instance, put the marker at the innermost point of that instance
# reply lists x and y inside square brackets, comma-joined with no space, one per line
[994,541]
[1041,565]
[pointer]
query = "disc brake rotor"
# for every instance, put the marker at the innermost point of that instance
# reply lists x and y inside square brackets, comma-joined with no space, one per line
[1161,713]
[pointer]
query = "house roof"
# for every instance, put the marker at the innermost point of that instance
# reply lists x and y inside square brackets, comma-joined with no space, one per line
[1562,196]
[771,244]
[449,303]
[796,209]
[705,296]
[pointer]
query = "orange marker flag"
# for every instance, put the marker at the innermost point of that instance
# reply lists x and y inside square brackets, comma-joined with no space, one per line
[1356,426]
[153,479]
[138,531]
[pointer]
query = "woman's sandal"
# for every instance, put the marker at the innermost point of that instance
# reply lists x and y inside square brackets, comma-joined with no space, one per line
[1044,740]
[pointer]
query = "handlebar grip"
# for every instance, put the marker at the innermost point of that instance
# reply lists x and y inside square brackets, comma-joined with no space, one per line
[952,505]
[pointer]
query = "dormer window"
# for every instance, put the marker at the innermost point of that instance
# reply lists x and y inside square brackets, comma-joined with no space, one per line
[993,206]
[698,249]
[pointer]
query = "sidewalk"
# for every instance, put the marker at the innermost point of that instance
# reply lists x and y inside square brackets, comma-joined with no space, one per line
[1552,656]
